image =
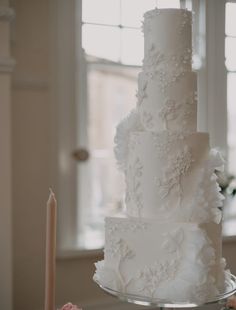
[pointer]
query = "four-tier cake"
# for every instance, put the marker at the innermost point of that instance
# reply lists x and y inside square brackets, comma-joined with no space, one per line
[168,243]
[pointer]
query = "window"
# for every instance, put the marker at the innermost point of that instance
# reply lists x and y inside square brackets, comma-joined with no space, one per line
[111,28]
[107,84]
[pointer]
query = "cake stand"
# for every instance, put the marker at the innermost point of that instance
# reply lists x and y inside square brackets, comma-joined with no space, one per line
[230,289]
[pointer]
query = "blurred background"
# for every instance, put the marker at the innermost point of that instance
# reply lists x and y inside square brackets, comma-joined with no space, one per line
[68,75]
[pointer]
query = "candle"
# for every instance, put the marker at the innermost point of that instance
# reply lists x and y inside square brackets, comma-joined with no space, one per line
[50,271]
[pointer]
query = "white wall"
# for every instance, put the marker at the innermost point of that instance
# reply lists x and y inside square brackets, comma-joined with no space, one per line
[30,146]
[32,161]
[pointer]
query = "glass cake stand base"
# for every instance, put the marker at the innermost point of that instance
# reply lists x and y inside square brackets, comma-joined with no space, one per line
[230,289]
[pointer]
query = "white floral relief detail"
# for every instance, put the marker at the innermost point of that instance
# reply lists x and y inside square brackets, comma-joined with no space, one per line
[168,112]
[153,59]
[150,278]
[136,225]
[173,69]
[128,174]
[164,141]
[140,95]
[135,185]
[147,120]
[185,21]
[178,166]
[129,179]
[142,85]
[189,108]
[168,68]
[134,141]
[173,241]
[133,225]
[117,247]
[183,110]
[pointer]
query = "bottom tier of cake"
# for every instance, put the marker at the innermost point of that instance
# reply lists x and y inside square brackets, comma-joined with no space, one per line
[180,262]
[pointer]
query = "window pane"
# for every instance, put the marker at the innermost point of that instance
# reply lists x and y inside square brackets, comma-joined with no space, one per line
[101,12]
[230,53]
[231,106]
[132,47]
[229,225]
[133,10]
[189,5]
[161,4]
[101,41]
[230,19]
[111,94]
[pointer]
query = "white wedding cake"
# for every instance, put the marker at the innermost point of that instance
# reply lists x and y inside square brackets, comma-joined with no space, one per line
[168,243]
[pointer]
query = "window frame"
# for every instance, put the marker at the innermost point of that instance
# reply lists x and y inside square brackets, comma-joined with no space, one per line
[65,66]
[228,71]
[212,84]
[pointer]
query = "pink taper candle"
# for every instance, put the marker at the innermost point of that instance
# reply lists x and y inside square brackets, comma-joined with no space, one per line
[50,252]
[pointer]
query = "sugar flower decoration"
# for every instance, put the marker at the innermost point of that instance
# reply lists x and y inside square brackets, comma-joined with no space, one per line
[129,124]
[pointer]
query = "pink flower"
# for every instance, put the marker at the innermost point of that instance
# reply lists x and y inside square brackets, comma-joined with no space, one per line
[70,306]
[231,303]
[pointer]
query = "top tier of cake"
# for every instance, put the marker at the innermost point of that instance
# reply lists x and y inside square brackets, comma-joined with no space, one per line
[170,31]
[167,86]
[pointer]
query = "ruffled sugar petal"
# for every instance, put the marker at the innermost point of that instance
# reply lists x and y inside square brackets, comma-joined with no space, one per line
[217,215]
[129,124]
[107,276]
[208,198]
[199,258]
[216,160]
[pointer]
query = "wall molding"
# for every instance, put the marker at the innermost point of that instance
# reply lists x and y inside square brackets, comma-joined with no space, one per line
[7,65]
[6,13]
